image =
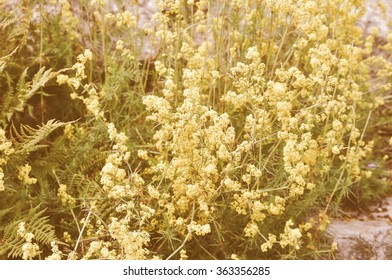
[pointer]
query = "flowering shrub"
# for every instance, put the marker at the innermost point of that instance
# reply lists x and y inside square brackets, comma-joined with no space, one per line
[218,130]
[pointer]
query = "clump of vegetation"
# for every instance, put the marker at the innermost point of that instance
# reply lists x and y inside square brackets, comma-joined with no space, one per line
[217,130]
[363,250]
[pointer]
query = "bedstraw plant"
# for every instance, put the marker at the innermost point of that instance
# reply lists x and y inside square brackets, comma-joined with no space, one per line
[210,130]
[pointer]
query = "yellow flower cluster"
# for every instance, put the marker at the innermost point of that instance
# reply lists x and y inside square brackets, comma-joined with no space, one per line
[69,131]
[183,255]
[113,177]
[66,199]
[132,242]
[29,248]
[56,253]
[290,237]
[100,250]
[114,180]
[92,101]
[126,19]
[199,229]
[5,151]
[269,243]
[23,175]
[70,22]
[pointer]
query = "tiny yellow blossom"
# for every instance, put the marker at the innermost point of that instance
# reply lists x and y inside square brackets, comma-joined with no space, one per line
[62,79]
[23,175]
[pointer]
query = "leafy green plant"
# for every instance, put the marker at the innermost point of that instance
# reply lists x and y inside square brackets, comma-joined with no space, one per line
[217,130]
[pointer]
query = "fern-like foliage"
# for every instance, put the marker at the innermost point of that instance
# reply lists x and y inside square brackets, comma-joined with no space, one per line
[18,203]
[6,59]
[15,23]
[15,98]
[36,223]
[27,139]
[17,82]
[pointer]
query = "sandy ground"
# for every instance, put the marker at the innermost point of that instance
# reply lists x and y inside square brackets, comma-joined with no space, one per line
[365,236]
[375,17]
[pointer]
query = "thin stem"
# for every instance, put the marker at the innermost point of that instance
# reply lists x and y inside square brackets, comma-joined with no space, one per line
[81,232]
[186,237]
